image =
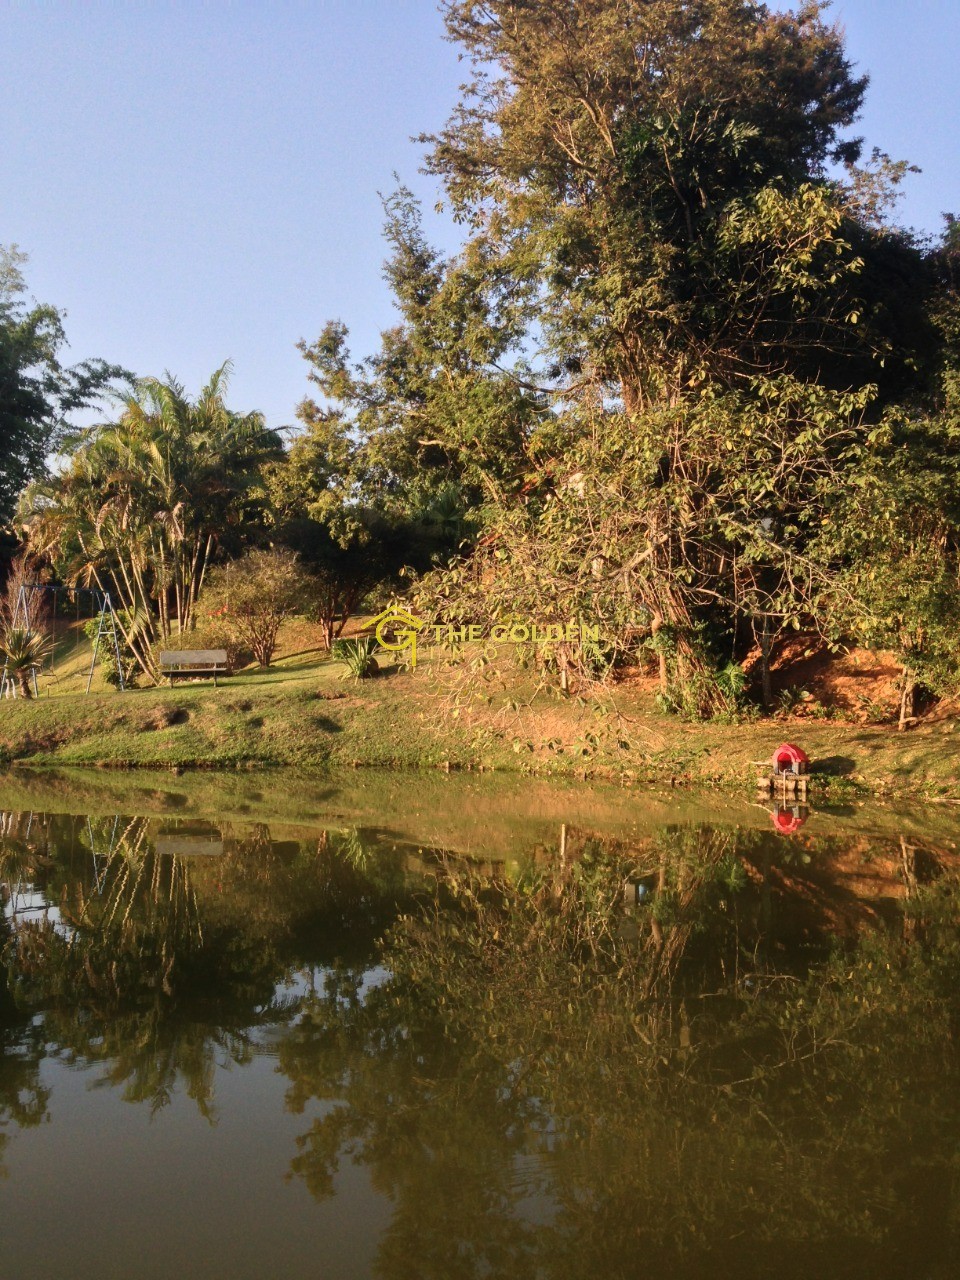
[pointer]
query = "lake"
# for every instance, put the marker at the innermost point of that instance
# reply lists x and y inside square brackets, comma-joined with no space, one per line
[395,1026]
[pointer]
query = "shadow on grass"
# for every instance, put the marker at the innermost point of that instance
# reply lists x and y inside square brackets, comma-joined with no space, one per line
[834,766]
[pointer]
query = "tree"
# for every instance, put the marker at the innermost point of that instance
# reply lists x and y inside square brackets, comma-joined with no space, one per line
[653,173]
[22,574]
[606,534]
[432,411]
[37,392]
[23,651]
[399,450]
[143,504]
[311,509]
[253,595]
[646,187]
[891,543]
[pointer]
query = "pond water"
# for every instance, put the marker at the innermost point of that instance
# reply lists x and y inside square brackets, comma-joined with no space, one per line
[397,1027]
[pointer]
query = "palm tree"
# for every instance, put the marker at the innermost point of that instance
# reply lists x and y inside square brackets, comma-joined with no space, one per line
[144,502]
[23,652]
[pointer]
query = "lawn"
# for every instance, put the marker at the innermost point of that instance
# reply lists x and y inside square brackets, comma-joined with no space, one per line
[301,713]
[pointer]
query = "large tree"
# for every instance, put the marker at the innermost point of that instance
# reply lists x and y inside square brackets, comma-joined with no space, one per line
[654,171]
[37,392]
[650,187]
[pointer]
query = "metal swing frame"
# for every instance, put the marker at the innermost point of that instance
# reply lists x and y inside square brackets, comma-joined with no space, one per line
[106,628]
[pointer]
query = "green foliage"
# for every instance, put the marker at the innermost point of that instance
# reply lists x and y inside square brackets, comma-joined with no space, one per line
[249,598]
[670,523]
[143,504]
[107,656]
[421,430]
[430,406]
[791,698]
[24,651]
[37,392]
[733,680]
[649,185]
[216,631]
[894,535]
[723,327]
[357,654]
[319,506]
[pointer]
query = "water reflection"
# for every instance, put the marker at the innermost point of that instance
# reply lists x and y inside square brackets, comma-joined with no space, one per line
[788,819]
[680,1046]
[153,967]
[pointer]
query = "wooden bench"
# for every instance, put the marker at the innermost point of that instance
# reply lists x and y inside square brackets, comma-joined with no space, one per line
[193,662]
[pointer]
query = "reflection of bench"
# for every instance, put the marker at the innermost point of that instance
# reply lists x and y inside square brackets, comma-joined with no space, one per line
[193,662]
[187,846]
[188,838]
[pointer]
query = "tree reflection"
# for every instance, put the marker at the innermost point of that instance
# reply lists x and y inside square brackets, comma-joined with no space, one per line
[23,1097]
[160,966]
[707,1051]
[547,1088]
[441,1135]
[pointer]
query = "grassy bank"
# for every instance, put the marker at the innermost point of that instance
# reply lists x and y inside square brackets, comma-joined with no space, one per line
[301,714]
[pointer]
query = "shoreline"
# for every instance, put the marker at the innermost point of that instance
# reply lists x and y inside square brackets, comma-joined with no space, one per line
[302,717]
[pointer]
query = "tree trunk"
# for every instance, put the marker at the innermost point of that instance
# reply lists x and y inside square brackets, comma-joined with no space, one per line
[563,662]
[691,674]
[908,700]
[656,623]
[23,680]
[766,644]
[908,859]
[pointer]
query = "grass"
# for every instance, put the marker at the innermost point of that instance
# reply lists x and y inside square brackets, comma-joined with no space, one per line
[301,713]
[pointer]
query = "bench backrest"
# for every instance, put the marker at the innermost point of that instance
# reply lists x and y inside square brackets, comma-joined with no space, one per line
[193,658]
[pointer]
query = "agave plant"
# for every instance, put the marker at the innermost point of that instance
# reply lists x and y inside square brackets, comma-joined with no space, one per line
[23,651]
[357,654]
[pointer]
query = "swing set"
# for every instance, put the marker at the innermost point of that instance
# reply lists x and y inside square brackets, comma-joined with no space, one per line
[107,628]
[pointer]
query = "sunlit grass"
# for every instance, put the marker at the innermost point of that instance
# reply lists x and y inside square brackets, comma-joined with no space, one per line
[306,711]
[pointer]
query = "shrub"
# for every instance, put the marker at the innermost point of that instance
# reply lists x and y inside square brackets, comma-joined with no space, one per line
[358,656]
[23,651]
[216,633]
[107,655]
[249,598]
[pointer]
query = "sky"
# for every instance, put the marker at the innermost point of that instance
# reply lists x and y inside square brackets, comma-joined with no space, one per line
[199,181]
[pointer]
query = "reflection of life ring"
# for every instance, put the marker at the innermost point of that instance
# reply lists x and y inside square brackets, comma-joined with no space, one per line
[788,821]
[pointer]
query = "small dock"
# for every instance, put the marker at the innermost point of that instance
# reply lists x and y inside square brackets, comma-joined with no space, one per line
[784,786]
[788,777]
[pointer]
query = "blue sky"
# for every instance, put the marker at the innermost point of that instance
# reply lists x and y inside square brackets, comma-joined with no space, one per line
[199,181]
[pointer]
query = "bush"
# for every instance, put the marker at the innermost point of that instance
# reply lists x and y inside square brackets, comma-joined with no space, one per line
[246,600]
[214,633]
[107,656]
[357,655]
